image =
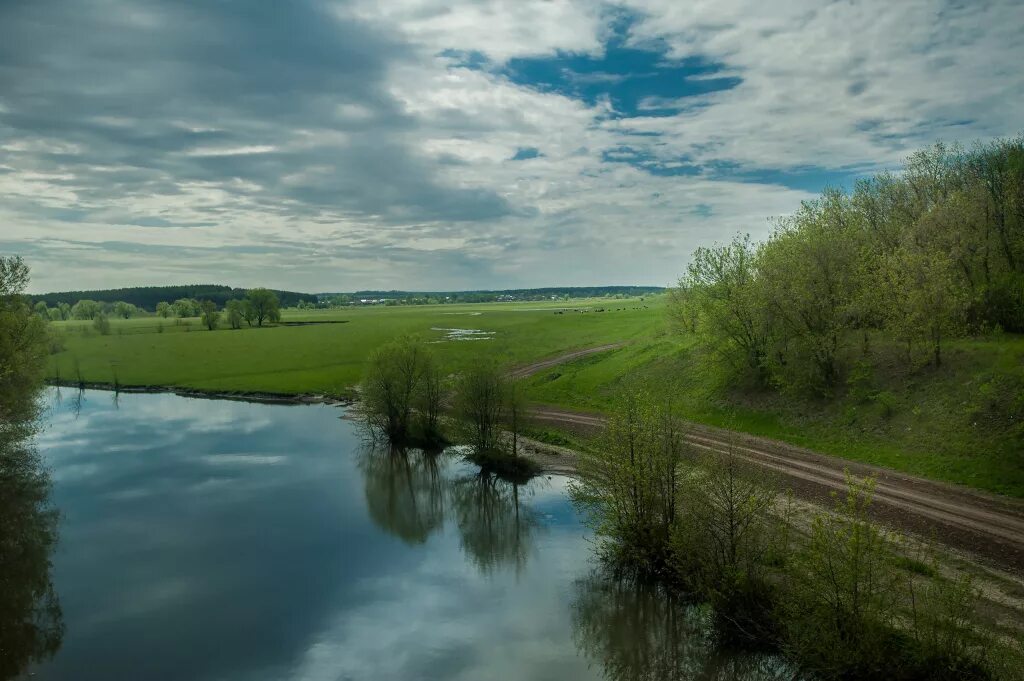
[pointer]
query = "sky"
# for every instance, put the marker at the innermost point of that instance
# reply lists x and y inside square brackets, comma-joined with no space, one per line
[462,144]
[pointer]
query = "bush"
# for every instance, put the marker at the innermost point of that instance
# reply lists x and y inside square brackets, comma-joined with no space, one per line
[101,324]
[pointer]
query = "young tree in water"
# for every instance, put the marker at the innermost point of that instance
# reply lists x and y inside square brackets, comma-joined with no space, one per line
[629,483]
[480,404]
[262,306]
[210,315]
[402,393]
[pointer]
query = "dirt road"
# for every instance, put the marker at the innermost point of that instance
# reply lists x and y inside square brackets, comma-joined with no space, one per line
[986,525]
[530,369]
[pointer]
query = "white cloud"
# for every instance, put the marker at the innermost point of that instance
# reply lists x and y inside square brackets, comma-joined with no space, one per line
[362,157]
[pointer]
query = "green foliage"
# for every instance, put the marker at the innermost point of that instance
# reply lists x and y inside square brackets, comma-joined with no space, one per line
[23,348]
[124,310]
[163,309]
[925,256]
[86,309]
[101,324]
[148,297]
[234,311]
[402,394]
[629,482]
[186,307]
[210,314]
[261,305]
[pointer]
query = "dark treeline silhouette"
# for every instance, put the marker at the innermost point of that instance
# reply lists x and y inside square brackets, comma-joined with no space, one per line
[147,297]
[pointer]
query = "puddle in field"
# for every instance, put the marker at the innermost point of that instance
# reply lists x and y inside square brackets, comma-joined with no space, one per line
[463,334]
[468,314]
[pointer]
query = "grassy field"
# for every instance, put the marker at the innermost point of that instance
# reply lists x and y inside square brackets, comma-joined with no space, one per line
[961,423]
[331,357]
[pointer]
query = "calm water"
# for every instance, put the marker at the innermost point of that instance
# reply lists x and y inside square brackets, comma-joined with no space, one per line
[205,539]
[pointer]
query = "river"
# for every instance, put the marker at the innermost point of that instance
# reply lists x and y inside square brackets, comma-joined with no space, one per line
[215,539]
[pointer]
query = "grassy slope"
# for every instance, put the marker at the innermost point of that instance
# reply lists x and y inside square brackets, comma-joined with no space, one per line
[961,423]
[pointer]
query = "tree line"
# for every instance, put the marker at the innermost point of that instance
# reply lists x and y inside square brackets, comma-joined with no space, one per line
[258,306]
[148,297]
[913,258]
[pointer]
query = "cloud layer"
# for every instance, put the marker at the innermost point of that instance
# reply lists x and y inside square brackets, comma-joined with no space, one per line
[422,144]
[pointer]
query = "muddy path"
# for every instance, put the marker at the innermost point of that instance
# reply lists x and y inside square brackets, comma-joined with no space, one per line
[530,369]
[985,525]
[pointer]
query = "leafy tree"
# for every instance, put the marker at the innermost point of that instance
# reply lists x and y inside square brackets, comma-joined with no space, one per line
[101,324]
[720,297]
[86,309]
[210,314]
[41,310]
[124,310]
[480,403]
[163,309]
[925,300]
[402,393]
[187,307]
[22,347]
[263,306]
[65,310]
[54,314]
[234,311]
[629,484]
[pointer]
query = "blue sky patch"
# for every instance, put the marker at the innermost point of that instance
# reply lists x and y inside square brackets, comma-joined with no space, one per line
[525,153]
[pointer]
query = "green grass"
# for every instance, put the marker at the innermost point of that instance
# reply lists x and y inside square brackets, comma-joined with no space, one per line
[960,423]
[331,357]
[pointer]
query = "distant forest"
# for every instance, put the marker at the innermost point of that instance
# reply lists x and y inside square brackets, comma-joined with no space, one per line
[486,296]
[147,297]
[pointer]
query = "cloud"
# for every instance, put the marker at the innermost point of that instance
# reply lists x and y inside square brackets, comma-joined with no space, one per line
[488,143]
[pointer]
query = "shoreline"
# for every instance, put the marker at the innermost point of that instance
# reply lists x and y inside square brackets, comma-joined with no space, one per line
[255,396]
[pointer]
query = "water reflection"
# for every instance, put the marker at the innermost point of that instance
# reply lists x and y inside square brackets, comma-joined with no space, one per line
[31,624]
[405,491]
[410,493]
[637,632]
[495,528]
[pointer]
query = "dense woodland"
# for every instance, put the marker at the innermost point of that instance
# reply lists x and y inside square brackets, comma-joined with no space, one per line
[915,258]
[148,297]
[522,294]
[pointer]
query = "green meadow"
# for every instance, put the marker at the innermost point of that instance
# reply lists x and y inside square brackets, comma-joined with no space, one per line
[330,357]
[960,423]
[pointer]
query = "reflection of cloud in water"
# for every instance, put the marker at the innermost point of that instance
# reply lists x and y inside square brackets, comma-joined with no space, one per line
[244,459]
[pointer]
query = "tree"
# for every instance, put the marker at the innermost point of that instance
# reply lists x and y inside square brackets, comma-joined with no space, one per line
[23,348]
[720,297]
[187,307]
[210,315]
[101,323]
[925,300]
[54,314]
[86,309]
[480,403]
[41,310]
[402,394]
[163,309]
[234,310]
[629,484]
[262,305]
[124,310]
[65,310]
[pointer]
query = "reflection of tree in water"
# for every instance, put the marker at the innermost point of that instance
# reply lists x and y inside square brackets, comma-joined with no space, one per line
[637,632]
[496,529]
[31,624]
[405,491]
